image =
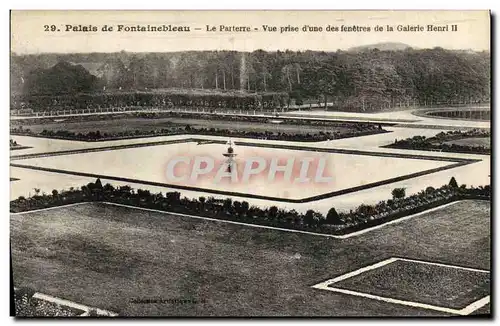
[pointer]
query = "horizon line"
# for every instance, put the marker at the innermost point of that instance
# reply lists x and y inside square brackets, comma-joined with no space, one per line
[247,51]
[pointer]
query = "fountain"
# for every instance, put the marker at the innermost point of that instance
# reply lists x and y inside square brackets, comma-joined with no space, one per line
[230,154]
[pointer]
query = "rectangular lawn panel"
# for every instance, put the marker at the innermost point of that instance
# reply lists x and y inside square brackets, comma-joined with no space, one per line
[122,124]
[111,257]
[475,141]
[432,284]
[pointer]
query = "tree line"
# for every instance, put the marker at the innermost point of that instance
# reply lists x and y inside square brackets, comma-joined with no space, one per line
[368,80]
[66,99]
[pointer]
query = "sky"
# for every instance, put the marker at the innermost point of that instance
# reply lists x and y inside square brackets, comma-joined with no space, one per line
[31,31]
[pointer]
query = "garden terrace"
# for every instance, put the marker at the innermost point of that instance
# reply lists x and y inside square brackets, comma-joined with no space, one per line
[475,141]
[131,254]
[99,162]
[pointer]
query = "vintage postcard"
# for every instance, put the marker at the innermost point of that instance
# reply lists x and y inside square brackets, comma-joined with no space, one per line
[250,163]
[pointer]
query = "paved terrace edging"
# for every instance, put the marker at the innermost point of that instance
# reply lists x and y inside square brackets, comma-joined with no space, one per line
[289,115]
[440,127]
[239,143]
[96,149]
[322,117]
[427,113]
[457,163]
[18,148]
[245,195]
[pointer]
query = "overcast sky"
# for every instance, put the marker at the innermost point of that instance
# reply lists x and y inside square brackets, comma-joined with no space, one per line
[28,33]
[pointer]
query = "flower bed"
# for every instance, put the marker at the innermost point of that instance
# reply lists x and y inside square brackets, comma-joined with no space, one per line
[364,216]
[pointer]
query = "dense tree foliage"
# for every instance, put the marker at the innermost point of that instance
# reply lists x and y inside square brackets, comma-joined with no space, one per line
[367,80]
[63,78]
[398,193]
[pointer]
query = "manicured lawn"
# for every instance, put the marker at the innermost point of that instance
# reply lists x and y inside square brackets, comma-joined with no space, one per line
[475,141]
[109,256]
[441,286]
[111,126]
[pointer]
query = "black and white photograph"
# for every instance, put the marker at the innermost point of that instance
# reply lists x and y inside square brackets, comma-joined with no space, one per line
[250,163]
